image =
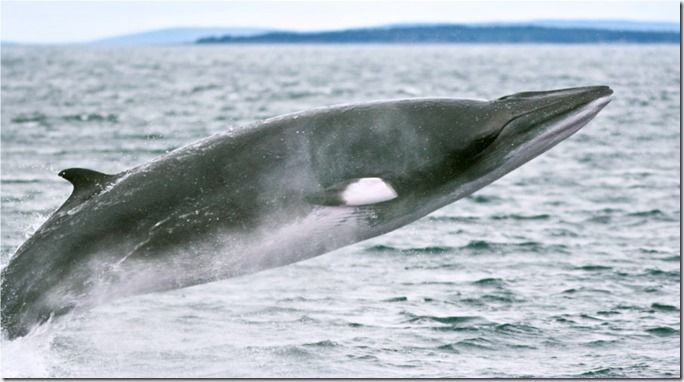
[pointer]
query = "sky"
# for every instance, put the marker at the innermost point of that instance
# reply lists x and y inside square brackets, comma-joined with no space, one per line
[79,21]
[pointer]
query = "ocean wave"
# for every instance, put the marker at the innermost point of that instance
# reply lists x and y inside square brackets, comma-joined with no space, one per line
[396,299]
[429,250]
[527,246]
[659,273]
[601,343]
[521,217]
[484,199]
[477,343]
[322,344]
[608,313]
[490,282]
[663,331]
[452,320]
[29,118]
[453,219]
[603,372]
[91,117]
[382,248]
[434,250]
[647,214]
[675,258]
[478,245]
[664,307]
[505,297]
[517,329]
[593,267]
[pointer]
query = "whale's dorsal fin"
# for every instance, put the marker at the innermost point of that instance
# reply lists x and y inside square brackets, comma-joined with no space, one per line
[86,182]
[84,178]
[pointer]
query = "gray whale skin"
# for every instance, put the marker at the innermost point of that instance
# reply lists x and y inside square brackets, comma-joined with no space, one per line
[275,192]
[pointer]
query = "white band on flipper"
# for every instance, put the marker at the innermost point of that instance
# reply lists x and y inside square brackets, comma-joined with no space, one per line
[367,191]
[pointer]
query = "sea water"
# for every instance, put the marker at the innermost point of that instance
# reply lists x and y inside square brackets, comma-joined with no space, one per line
[567,267]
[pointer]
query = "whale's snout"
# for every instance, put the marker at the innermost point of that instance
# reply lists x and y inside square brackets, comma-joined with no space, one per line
[536,121]
[533,113]
[586,93]
[576,98]
[538,106]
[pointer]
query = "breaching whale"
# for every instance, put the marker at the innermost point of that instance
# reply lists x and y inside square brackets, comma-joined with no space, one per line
[275,192]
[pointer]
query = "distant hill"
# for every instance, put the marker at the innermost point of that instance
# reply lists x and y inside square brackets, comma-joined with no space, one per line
[455,33]
[623,25]
[176,36]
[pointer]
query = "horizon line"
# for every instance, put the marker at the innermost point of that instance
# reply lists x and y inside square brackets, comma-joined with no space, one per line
[398,24]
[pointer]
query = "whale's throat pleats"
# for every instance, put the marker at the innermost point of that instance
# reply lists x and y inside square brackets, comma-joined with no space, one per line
[85,182]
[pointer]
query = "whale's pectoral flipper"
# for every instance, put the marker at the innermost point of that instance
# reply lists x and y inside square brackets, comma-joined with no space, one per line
[355,192]
[86,183]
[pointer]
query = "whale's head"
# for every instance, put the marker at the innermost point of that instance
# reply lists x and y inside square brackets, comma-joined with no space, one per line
[406,158]
[536,121]
[432,152]
[515,129]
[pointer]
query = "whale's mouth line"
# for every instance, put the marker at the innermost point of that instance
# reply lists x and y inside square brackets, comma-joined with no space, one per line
[575,120]
[555,128]
[515,120]
[562,119]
